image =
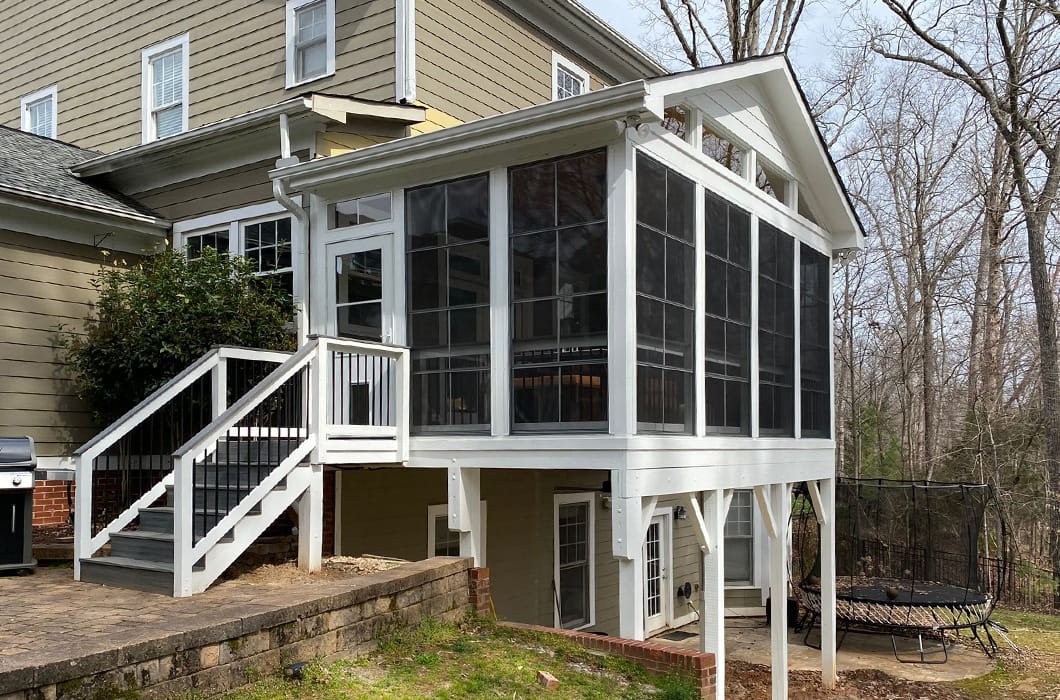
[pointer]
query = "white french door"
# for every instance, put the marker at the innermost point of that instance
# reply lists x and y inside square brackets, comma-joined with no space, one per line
[657,555]
[360,280]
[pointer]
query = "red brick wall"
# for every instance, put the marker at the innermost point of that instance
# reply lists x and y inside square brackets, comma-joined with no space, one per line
[329,514]
[478,589]
[50,504]
[655,657]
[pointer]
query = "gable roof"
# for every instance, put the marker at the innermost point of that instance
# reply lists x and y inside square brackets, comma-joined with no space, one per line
[37,169]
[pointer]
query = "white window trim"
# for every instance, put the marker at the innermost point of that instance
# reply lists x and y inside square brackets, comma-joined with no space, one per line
[147,123]
[292,7]
[441,510]
[559,499]
[49,93]
[559,61]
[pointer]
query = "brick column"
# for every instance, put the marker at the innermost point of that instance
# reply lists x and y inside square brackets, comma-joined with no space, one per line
[329,513]
[478,589]
[50,504]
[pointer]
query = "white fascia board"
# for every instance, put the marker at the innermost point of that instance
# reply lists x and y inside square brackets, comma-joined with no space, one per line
[37,218]
[677,85]
[617,103]
[36,200]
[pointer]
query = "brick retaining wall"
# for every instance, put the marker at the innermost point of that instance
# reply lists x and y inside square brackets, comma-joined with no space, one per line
[655,657]
[237,647]
[50,503]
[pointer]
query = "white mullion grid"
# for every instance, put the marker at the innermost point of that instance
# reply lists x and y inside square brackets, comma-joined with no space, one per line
[796,383]
[699,304]
[755,422]
[500,305]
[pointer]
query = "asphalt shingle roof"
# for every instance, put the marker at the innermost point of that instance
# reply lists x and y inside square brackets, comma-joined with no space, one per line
[38,165]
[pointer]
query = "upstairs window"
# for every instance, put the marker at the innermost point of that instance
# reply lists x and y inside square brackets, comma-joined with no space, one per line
[558,222]
[815,275]
[310,40]
[165,89]
[568,80]
[776,331]
[39,112]
[728,312]
[666,277]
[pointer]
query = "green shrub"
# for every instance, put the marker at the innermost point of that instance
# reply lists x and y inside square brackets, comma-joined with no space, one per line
[156,318]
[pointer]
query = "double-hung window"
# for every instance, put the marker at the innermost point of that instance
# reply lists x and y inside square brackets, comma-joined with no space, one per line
[575,570]
[568,80]
[165,89]
[39,112]
[310,40]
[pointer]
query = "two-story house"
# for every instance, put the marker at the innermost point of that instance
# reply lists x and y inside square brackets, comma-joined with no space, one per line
[559,311]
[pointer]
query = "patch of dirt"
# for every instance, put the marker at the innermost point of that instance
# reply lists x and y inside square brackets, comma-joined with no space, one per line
[333,568]
[53,534]
[752,682]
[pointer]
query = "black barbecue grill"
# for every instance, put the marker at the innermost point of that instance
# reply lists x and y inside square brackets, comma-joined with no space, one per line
[17,461]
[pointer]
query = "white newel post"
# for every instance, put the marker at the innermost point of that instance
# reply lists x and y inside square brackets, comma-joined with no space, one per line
[627,541]
[403,395]
[183,525]
[318,400]
[82,512]
[828,585]
[310,508]
[780,497]
[219,386]
[465,511]
[712,618]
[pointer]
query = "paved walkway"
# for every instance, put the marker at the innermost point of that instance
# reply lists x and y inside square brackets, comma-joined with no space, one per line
[747,639]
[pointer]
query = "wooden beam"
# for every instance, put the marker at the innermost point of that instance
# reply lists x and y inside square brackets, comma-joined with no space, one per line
[712,618]
[818,506]
[767,511]
[646,513]
[778,592]
[702,534]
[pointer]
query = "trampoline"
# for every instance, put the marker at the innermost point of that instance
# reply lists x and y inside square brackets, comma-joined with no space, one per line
[907,562]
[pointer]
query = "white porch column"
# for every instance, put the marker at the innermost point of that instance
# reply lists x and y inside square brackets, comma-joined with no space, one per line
[828,584]
[780,497]
[712,617]
[465,511]
[627,539]
[310,508]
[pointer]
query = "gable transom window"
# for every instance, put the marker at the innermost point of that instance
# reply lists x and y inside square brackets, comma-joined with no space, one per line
[728,316]
[815,274]
[447,234]
[568,80]
[165,89]
[39,112]
[558,220]
[665,298]
[310,40]
[776,331]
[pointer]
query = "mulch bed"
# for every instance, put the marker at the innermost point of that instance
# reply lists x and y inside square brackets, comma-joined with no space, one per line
[753,682]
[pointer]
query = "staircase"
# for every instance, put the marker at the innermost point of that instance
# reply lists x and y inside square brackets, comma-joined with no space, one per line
[232,470]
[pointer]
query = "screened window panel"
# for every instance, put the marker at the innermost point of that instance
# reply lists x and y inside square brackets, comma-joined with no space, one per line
[665,298]
[728,317]
[815,343]
[447,262]
[558,265]
[776,313]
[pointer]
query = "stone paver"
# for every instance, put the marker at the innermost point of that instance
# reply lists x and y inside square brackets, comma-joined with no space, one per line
[49,617]
[747,639]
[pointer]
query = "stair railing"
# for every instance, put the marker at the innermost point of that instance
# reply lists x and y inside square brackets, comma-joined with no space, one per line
[134,449]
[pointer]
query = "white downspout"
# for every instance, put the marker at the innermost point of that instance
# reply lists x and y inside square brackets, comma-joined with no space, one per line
[279,193]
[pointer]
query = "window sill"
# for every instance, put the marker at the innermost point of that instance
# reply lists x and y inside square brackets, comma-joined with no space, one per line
[292,85]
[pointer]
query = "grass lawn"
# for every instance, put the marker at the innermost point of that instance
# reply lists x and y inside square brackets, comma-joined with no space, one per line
[473,659]
[1033,672]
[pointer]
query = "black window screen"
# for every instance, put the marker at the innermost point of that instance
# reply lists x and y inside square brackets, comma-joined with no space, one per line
[558,219]
[447,233]
[728,317]
[665,298]
[776,330]
[815,273]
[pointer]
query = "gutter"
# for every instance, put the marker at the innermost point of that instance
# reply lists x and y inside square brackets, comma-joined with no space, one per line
[279,187]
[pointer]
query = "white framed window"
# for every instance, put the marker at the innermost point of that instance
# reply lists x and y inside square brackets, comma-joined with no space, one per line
[574,575]
[310,40]
[443,542]
[40,112]
[568,78]
[362,210]
[739,539]
[164,86]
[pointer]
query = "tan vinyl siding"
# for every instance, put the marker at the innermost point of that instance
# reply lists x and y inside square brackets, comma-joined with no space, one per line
[230,189]
[237,59]
[475,59]
[43,283]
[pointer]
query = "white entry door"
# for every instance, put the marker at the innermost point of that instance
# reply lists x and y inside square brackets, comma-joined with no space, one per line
[360,279]
[657,551]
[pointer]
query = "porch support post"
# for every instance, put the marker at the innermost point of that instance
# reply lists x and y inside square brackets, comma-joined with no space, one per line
[712,618]
[627,542]
[310,508]
[828,585]
[465,511]
[780,496]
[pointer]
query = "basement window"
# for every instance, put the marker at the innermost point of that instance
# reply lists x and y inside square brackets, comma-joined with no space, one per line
[575,570]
